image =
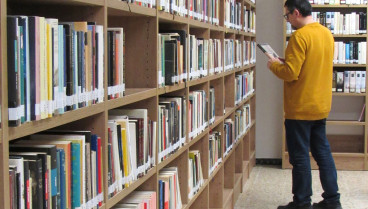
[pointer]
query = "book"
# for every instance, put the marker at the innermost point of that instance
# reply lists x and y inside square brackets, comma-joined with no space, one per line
[267,50]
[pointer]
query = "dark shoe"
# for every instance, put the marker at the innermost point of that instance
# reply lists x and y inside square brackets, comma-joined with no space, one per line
[327,205]
[293,205]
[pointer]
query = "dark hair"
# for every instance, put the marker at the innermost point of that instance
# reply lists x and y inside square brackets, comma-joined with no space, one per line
[303,6]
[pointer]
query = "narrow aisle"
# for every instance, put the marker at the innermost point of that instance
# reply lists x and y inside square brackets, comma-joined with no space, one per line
[270,186]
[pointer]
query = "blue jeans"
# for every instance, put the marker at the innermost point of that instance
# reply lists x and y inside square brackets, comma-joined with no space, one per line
[300,136]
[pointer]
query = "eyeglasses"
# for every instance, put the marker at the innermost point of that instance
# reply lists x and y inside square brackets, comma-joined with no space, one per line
[286,16]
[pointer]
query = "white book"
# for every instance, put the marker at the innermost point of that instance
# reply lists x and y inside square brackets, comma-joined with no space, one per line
[363,82]
[357,31]
[115,149]
[352,81]
[18,163]
[358,82]
[100,64]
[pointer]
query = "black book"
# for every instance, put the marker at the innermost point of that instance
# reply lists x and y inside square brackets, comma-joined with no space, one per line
[69,60]
[13,70]
[33,47]
[36,174]
[170,61]
[50,150]
[12,187]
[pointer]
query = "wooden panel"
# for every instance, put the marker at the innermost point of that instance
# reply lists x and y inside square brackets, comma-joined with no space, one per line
[203,147]
[342,161]
[245,173]
[202,202]
[229,90]
[228,199]
[238,185]
[140,62]
[246,147]
[216,186]
[346,143]
[239,158]
[229,172]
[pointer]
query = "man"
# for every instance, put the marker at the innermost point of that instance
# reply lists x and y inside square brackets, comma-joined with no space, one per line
[307,75]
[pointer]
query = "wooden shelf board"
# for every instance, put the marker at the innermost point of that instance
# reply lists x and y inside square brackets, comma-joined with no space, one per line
[168,89]
[180,19]
[216,28]
[349,94]
[238,178]
[58,120]
[218,120]
[250,3]
[197,138]
[172,157]
[121,8]
[215,171]
[198,24]
[350,35]
[346,123]
[349,65]
[245,165]
[165,17]
[229,30]
[339,6]
[253,154]
[229,72]
[125,192]
[215,76]
[338,154]
[132,95]
[247,34]
[198,81]
[191,201]
[64,2]
[228,194]
[228,111]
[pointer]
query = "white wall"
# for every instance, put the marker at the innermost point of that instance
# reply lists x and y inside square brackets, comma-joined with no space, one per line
[269,89]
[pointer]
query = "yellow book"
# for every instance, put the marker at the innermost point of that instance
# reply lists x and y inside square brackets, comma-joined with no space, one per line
[49,70]
[126,159]
[43,88]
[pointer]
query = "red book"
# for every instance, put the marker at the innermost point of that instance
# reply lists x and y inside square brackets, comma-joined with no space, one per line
[99,167]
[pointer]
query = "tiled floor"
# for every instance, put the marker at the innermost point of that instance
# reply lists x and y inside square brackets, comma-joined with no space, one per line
[270,186]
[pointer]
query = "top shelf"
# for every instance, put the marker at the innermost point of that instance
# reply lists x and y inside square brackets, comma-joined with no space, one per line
[64,2]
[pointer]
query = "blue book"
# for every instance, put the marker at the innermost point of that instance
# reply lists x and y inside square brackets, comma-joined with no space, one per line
[347,53]
[94,147]
[62,174]
[161,196]
[61,68]
[58,176]
[76,173]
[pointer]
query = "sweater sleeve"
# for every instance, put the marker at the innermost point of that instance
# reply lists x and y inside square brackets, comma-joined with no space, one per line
[294,59]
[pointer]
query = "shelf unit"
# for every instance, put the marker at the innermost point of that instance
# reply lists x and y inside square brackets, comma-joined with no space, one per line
[347,135]
[141,26]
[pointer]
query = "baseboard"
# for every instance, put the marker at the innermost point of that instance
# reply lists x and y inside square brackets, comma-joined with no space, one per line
[268,161]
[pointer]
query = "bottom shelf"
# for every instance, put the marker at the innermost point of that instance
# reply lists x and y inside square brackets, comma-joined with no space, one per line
[228,198]
[238,186]
[343,161]
[245,172]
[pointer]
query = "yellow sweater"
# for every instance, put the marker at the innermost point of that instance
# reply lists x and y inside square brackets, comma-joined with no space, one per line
[307,73]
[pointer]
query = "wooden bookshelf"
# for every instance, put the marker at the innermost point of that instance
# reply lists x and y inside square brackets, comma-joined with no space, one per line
[349,151]
[221,188]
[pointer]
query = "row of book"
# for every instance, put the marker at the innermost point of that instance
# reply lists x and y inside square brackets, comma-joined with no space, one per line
[56,169]
[347,24]
[172,120]
[205,11]
[178,7]
[131,147]
[349,81]
[243,86]
[215,148]
[229,51]
[138,200]
[212,108]
[195,175]
[249,20]
[197,113]
[242,121]
[115,62]
[338,2]
[143,3]
[169,189]
[351,52]
[233,14]
[53,67]
[228,136]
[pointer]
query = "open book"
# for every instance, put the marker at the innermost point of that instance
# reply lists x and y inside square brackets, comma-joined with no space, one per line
[267,49]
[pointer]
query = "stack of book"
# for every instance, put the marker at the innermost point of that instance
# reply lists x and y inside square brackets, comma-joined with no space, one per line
[233,14]
[171,125]
[53,67]
[242,121]
[349,81]
[178,7]
[195,177]
[115,62]
[249,52]
[198,57]
[249,21]
[215,56]
[172,57]
[243,86]
[351,52]
[131,147]
[205,11]
[215,148]
[347,24]
[169,189]
[57,169]
[229,54]
[138,200]
[197,113]
[228,136]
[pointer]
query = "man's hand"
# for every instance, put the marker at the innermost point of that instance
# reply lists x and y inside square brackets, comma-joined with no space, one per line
[272,60]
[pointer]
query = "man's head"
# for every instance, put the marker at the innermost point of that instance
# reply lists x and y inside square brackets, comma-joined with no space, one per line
[297,12]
